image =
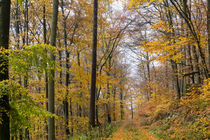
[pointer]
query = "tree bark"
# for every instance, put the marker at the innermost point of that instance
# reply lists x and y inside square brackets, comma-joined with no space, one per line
[108,92]
[65,102]
[51,82]
[208,29]
[121,104]
[4,69]
[114,106]
[17,24]
[46,73]
[94,61]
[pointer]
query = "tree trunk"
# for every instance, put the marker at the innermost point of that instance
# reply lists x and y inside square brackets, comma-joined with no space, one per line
[51,82]
[71,114]
[94,63]
[121,105]
[108,91]
[17,24]
[97,120]
[132,112]
[26,43]
[176,78]
[80,86]
[46,74]
[4,74]
[208,29]
[191,64]
[65,102]
[114,106]
[195,57]
[108,104]
[97,106]
[148,75]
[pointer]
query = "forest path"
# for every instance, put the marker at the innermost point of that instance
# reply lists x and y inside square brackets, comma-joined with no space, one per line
[132,130]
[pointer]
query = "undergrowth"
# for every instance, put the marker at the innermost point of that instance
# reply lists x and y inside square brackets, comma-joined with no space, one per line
[186,119]
[100,132]
[133,133]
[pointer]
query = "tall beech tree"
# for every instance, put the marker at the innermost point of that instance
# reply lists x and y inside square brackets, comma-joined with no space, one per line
[94,65]
[51,83]
[4,71]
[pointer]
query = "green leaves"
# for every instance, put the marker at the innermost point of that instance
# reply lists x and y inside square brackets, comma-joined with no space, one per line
[32,58]
[22,107]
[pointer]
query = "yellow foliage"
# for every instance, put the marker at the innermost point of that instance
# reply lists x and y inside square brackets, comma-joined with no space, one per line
[198,98]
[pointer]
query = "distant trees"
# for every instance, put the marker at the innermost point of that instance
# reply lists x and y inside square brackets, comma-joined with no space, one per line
[178,41]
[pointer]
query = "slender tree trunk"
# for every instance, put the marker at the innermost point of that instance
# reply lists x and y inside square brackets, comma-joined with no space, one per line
[108,91]
[191,64]
[51,82]
[94,64]
[17,24]
[46,73]
[44,25]
[65,102]
[149,77]
[80,86]
[114,106]
[121,105]
[208,29]
[132,112]
[60,63]
[4,69]
[173,63]
[167,80]
[196,63]
[26,43]
[97,120]
[108,104]
[97,107]
[71,114]
[176,78]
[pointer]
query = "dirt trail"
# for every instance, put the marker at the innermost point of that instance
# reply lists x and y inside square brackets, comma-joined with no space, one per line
[137,132]
[144,131]
[120,133]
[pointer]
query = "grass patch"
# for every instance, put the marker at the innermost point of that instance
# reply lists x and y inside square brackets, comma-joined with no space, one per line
[133,133]
[159,134]
[104,131]
[146,122]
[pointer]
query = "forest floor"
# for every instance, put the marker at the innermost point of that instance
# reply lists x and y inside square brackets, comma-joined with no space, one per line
[133,130]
